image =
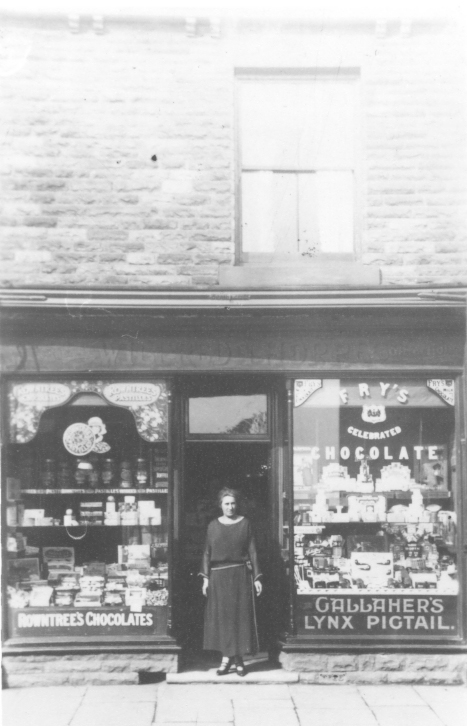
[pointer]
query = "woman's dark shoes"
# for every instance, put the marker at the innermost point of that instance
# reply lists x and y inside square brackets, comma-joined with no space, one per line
[240,667]
[224,667]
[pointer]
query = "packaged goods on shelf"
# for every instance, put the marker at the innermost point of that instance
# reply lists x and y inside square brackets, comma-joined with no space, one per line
[395,477]
[125,475]
[17,598]
[94,569]
[58,555]
[13,488]
[30,516]
[64,598]
[134,556]
[148,514]
[374,568]
[141,473]
[112,519]
[47,476]
[91,512]
[367,508]
[157,597]
[41,595]
[88,599]
[24,569]
[135,597]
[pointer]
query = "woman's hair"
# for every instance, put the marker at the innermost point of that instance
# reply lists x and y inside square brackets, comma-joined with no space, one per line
[227,492]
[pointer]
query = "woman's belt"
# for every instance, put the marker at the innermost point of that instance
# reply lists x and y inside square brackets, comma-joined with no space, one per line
[225,565]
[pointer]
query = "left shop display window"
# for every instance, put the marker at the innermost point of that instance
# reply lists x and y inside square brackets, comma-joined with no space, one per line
[87,481]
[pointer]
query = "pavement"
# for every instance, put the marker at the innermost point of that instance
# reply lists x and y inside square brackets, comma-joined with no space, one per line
[237,704]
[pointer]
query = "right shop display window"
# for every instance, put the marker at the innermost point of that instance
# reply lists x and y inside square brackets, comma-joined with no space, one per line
[374,515]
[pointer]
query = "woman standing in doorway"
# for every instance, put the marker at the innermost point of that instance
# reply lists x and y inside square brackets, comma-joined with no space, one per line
[230,567]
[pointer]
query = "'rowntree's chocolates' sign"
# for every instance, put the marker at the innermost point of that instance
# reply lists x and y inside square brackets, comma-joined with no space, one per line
[33,622]
[379,615]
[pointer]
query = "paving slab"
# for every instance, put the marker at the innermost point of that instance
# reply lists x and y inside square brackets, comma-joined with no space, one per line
[258,692]
[130,694]
[215,712]
[443,695]
[391,696]
[317,697]
[117,712]
[336,717]
[269,717]
[406,716]
[53,706]
[260,704]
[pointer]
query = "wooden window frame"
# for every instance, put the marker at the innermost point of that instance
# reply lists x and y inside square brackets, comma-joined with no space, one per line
[280,74]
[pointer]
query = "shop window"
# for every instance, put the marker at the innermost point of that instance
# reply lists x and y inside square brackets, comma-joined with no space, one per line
[297,164]
[87,517]
[228,417]
[375,507]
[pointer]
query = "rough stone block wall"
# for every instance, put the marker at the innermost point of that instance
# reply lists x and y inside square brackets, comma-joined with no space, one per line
[76,670]
[377,668]
[83,115]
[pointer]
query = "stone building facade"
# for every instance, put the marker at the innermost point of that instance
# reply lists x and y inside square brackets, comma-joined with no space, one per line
[90,106]
[120,175]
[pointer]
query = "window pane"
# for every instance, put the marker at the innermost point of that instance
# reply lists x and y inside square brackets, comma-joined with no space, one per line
[375,507]
[87,509]
[297,123]
[257,211]
[308,229]
[269,212]
[335,203]
[235,415]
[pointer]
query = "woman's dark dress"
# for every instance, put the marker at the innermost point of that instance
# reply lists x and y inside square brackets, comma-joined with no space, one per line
[229,623]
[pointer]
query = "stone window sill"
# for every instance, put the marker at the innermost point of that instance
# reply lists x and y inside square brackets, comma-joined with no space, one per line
[312,274]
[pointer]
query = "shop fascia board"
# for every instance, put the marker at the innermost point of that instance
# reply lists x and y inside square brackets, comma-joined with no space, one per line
[225,299]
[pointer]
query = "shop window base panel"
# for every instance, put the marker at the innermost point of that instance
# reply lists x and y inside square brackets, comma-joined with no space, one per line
[97,644]
[295,644]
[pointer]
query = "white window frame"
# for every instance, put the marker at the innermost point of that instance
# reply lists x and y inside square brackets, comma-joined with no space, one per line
[243,75]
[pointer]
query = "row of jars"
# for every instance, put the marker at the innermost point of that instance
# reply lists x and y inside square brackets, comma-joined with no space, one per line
[93,473]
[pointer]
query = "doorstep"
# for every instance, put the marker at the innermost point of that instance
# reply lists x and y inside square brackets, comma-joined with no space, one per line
[267,677]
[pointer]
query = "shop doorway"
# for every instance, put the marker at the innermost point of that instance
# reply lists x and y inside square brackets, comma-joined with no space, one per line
[227,441]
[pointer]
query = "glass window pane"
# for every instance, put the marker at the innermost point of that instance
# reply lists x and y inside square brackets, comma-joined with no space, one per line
[257,211]
[308,229]
[335,204]
[228,415]
[375,507]
[87,511]
[269,212]
[297,123]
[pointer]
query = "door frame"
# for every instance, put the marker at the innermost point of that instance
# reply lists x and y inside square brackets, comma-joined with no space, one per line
[275,388]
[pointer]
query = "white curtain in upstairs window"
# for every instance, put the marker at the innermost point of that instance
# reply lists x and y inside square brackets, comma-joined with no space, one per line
[326,216]
[290,213]
[269,212]
[297,123]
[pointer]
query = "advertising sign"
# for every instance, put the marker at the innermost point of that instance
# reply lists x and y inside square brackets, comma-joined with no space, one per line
[377,615]
[56,622]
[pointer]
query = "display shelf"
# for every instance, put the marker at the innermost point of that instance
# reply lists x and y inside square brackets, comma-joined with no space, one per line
[310,528]
[392,494]
[82,526]
[58,492]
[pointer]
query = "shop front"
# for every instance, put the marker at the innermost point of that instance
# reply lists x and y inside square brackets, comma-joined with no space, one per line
[340,420]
